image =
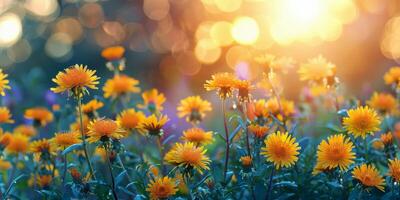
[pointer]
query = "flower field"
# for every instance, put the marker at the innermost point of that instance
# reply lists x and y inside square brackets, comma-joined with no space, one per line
[226,115]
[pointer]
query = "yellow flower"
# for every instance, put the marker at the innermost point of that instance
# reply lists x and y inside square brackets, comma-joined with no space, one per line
[394,169]
[258,131]
[319,90]
[223,83]
[162,188]
[120,85]
[189,156]
[113,53]
[336,151]
[392,76]
[3,82]
[5,138]
[198,136]
[76,126]
[103,130]
[244,87]
[152,100]
[387,138]
[362,121]
[319,168]
[5,116]
[286,106]
[281,149]
[378,144]
[130,119]
[75,79]
[39,115]
[369,176]
[44,180]
[383,102]
[193,108]
[18,144]
[316,69]
[246,161]
[66,139]
[260,109]
[92,106]
[26,130]
[42,147]
[153,125]
[4,164]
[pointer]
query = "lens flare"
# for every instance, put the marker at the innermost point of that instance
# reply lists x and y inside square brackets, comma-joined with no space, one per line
[245,30]
[10,29]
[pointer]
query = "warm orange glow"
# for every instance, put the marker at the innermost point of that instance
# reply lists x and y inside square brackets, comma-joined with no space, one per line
[245,30]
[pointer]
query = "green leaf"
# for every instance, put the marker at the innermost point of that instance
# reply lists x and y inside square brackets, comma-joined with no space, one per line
[72,148]
[334,128]
[234,133]
[120,177]
[286,184]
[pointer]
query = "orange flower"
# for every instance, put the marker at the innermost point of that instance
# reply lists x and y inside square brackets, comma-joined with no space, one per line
[246,161]
[392,76]
[197,136]
[103,130]
[258,131]
[5,116]
[64,140]
[394,169]
[39,115]
[383,102]
[387,138]
[113,53]
[153,125]
[76,126]
[120,85]
[369,176]
[75,79]
[193,108]
[92,106]
[223,83]
[130,119]
[43,147]
[244,87]
[153,100]
[18,144]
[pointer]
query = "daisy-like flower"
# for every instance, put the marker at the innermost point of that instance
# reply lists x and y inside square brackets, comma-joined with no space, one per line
[362,121]
[188,156]
[43,147]
[259,109]
[284,111]
[4,164]
[113,53]
[5,116]
[369,176]
[120,85]
[223,83]
[394,169]
[75,79]
[3,83]
[152,100]
[383,102]
[153,125]
[66,139]
[39,115]
[244,87]
[281,149]
[198,136]
[246,161]
[76,126]
[104,129]
[316,69]
[258,131]
[26,130]
[5,138]
[92,106]
[17,144]
[193,108]
[387,138]
[392,77]
[336,151]
[162,188]
[378,144]
[130,119]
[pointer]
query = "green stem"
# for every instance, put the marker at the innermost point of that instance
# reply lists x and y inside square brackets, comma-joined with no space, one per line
[161,151]
[111,172]
[270,183]
[226,140]
[84,139]
[244,118]
[123,168]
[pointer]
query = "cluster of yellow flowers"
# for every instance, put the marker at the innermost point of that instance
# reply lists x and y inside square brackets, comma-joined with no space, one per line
[265,127]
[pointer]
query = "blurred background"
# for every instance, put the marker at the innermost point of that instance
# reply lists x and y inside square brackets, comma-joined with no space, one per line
[176,45]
